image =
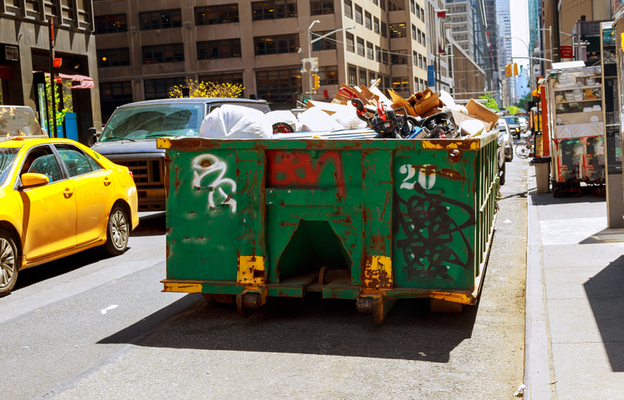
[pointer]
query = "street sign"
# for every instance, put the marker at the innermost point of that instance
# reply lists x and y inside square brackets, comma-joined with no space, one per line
[566,51]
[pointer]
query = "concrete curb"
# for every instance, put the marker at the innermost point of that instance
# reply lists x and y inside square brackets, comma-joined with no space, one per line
[538,355]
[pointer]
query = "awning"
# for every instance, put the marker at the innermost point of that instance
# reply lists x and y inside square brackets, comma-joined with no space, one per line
[5,72]
[84,82]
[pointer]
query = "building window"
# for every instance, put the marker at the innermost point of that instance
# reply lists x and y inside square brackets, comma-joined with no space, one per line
[378,53]
[369,51]
[413,6]
[385,57]
[360,46]
[348,6]
[417,11]
[111,23]
[376,2]
[213,49]
[358,14]
[363,77]
[376,25]
[384,33]
[415,58]
[399,57]
[113,57]
[163,53]
[352,75]
[159,88]
[222,14]
[422,14]
[327,43]
[113,95]
[401,83]
[276,44]
[273,9]
[161,19]
[397,30]
[420,37]
[368,20]
[328,75]
[413,32]
[279,85]
[396,5]
[350,42]
[319,7]
[383,5]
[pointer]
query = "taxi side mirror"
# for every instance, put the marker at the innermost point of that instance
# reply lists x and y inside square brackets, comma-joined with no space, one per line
[93,136]
[31,179]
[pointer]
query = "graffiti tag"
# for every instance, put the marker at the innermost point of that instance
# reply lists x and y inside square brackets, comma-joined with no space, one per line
[298,169]
[432,236]
[206,164]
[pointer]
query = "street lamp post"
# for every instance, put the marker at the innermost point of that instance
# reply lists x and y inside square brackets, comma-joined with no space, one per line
[310,41]
[530,61]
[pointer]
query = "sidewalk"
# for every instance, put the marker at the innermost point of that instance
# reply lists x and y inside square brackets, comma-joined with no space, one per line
[574,299]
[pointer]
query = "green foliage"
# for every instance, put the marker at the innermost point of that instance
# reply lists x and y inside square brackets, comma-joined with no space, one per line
[490,103]
[513,110]
[207,89]
[522,103]
[64,89]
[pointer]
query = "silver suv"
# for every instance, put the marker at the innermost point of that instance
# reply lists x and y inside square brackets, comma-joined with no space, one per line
[129,138]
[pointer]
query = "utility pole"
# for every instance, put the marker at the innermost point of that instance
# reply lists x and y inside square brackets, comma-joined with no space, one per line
[554,26]
[52,86]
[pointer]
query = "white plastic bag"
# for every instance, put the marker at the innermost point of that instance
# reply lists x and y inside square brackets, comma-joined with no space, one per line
[347,117]
[315,120]
[283,117]
[236,122]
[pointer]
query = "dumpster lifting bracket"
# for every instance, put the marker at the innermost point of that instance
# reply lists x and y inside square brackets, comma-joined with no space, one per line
[250,300]
[378,305]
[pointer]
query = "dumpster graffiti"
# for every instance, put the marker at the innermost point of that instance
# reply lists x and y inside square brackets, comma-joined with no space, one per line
[206,164]
[296,168]
[432,234]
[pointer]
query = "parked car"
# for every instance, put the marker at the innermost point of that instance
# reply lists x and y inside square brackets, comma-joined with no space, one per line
[514,125]
[524,124]
[504,135]
[500,154]
[57,198]
[129,138]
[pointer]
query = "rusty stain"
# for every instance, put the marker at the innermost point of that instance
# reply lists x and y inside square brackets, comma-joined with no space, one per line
[454,156]
[286,223]
[451,174]
[205,163]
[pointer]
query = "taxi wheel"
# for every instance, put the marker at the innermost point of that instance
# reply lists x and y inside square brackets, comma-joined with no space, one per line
[8,263]
[117,232]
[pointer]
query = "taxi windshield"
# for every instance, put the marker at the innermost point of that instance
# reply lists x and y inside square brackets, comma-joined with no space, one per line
[153,121]
[7,157]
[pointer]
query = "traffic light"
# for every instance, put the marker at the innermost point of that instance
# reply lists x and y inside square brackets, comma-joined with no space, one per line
[515,69]
[508,71]
[317,82]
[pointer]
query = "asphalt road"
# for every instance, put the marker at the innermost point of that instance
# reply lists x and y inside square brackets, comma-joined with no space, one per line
[88,327]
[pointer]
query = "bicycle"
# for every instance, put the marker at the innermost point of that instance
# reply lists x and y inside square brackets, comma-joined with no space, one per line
[524,148]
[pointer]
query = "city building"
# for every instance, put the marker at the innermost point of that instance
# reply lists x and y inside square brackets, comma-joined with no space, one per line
[461,17]
[25,60]
[145,48]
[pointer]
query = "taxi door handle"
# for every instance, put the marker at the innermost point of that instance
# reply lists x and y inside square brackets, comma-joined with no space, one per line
[67,193]
[107,181]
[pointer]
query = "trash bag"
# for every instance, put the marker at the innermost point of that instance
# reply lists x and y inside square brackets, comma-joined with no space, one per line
[283,121]
[315,120]
[236,122]
[347,117]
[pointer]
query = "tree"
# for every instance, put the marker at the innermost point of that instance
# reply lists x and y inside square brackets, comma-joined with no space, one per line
[513,110]
[207,89]
[490,103]
[522,103]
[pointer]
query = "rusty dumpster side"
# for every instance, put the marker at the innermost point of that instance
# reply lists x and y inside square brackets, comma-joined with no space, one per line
[368,220]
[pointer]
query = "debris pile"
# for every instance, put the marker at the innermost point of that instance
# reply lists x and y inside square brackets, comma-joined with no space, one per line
[424,115]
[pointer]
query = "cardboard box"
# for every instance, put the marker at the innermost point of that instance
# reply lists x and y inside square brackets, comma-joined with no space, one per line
[479,111]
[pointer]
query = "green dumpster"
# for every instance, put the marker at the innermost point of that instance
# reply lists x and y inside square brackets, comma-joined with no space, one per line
[367,220]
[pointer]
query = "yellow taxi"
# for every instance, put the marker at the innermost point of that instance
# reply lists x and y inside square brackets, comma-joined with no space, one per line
[58,197]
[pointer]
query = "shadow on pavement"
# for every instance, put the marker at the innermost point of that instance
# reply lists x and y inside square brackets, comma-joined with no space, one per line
[151,224]
[311,325]
[544,199]
[606,298]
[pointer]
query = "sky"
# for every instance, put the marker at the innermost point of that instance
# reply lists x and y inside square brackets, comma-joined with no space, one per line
[519,28]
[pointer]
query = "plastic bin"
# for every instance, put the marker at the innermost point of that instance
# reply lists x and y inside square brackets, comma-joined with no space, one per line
[367,220]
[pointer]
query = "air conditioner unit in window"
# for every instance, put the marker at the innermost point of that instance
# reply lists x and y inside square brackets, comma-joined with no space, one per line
[10,53]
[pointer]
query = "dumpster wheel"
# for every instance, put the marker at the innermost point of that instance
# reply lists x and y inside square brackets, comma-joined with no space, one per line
[378,306]
[249,302]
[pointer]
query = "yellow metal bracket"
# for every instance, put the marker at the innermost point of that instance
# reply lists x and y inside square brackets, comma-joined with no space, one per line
[378,273]
[250,270]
